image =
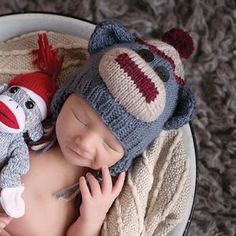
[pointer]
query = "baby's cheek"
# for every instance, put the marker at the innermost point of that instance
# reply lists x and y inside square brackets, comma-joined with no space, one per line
[113,159]
[100,161]
[106,158]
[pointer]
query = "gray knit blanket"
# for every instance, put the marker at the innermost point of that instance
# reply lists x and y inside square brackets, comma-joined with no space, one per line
[210,73]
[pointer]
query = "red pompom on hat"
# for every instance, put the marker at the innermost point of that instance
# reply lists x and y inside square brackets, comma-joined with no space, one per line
[180,40]
[41,85]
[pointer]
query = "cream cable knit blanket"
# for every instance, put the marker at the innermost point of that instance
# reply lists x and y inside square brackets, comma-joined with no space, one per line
[16,54]
[154,197]
[156,190]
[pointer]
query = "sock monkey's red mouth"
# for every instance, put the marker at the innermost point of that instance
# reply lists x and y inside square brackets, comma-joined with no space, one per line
[7,117]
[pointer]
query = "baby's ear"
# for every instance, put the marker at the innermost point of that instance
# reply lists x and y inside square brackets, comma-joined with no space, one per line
[108,33]
[184,110]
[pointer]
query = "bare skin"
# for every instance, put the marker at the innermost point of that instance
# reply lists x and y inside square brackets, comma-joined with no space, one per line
[48,174]
[84,143]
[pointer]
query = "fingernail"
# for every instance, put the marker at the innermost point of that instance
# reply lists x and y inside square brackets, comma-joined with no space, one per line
[82,178]
[88,174]
[104,167]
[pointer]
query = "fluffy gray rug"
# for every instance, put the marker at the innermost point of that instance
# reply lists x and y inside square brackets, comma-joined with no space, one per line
[210,73]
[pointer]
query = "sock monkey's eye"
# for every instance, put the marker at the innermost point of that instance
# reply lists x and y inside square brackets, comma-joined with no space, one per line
[146,55]
[13,89]
[163,73]
[29,104]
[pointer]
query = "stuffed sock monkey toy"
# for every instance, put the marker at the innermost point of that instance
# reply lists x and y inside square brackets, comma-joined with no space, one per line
[24,104]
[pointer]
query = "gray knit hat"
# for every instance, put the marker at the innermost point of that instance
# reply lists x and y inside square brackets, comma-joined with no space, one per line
[135,86]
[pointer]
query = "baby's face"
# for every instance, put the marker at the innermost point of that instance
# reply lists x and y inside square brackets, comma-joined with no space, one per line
[83,137]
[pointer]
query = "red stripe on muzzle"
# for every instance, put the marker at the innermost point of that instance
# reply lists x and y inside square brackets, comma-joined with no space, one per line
[143,83]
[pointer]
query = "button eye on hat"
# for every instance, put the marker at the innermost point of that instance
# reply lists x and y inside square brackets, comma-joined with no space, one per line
[163,73]
[146,54]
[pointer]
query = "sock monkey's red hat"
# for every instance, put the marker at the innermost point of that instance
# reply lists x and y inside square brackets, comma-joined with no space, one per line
[41,85]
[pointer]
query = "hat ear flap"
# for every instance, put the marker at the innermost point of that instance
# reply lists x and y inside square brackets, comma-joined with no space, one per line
[184,110]
[108,33]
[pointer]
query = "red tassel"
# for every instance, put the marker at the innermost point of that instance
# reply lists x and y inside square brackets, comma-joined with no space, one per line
[180,40]
[47,60]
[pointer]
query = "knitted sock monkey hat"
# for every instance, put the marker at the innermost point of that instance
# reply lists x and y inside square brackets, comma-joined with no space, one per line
[136,87]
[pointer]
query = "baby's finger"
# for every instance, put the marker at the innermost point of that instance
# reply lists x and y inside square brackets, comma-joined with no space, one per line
[4,233]
[5,218]
[94,185]
[119,184]
[4,222]
[2,225]
[106,180]
[85,193]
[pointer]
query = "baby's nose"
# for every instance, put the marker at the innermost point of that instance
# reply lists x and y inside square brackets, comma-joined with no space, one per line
[87,141]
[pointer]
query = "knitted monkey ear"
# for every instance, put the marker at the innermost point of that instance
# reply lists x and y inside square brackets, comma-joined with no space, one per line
[180,40]
[184,110]
[108,33]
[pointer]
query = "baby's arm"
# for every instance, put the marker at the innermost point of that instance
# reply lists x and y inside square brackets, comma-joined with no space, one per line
[95,203]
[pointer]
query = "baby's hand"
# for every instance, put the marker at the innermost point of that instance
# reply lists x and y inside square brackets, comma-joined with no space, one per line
[4,221]
[97,201]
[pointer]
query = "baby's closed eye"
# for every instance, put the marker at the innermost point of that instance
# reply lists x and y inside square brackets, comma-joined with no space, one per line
[79,119]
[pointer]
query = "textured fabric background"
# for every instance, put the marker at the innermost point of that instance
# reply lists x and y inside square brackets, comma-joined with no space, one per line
[210,73]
